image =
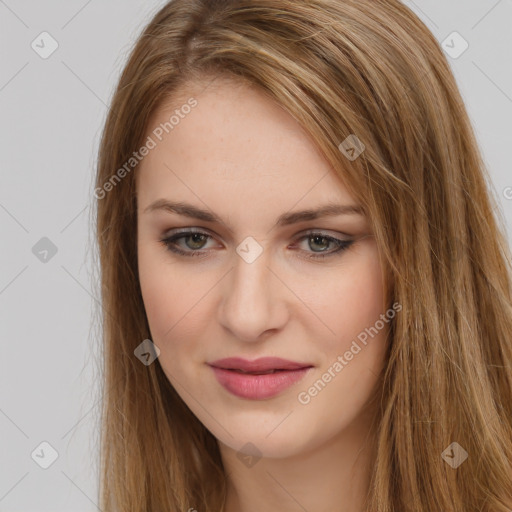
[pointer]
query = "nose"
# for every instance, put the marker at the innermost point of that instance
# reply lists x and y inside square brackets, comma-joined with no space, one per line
[254,300]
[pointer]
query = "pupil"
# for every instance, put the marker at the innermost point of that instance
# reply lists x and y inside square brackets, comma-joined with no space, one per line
[315,238]
[196,238]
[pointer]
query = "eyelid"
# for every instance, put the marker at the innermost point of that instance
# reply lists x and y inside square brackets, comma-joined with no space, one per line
[326,232]
[297,236]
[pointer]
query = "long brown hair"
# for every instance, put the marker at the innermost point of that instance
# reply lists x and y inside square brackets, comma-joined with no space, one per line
[339,67]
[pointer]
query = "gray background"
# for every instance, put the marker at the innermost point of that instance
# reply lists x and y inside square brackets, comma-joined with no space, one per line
[52,114]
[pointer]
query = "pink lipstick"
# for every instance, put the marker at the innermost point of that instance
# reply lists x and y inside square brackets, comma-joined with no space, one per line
[259,379]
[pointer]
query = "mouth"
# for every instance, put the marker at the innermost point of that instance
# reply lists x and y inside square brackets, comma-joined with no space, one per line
[260,366]
[260,379]
[267,372]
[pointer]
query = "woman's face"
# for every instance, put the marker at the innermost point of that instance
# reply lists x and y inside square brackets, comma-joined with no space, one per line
[257,279]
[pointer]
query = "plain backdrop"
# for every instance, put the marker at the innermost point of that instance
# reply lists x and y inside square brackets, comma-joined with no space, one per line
[52,112]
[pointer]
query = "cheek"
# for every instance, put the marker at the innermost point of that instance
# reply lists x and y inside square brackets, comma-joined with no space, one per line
[176,304]
[340,390]
[351,298]
[157,297]
[363,303]
[164,291]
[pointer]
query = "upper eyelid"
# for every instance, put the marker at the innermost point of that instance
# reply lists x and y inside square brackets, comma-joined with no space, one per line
[203,231]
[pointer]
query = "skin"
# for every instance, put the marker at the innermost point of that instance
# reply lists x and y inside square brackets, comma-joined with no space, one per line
[243,157]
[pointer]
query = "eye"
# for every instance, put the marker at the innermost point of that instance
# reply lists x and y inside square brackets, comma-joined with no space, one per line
[195,241]
[322,241]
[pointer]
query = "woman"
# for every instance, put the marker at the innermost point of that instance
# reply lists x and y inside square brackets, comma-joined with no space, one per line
[247,366]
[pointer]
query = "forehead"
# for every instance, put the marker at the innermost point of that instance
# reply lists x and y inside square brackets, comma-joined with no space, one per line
[236,147]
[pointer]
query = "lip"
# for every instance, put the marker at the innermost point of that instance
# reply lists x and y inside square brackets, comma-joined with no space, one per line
[258,365]
[258,386]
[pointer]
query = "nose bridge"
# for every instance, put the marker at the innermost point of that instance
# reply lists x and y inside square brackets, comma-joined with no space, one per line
[249,302]
[250,279]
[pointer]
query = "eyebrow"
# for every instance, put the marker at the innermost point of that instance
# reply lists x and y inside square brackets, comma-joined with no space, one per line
[286,219]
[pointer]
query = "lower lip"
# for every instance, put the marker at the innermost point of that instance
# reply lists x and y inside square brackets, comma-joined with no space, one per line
[258,387]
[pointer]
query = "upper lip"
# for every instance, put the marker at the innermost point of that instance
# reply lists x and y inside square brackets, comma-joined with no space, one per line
[258,365]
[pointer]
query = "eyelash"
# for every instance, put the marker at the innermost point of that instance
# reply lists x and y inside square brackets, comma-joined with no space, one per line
[169,244]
